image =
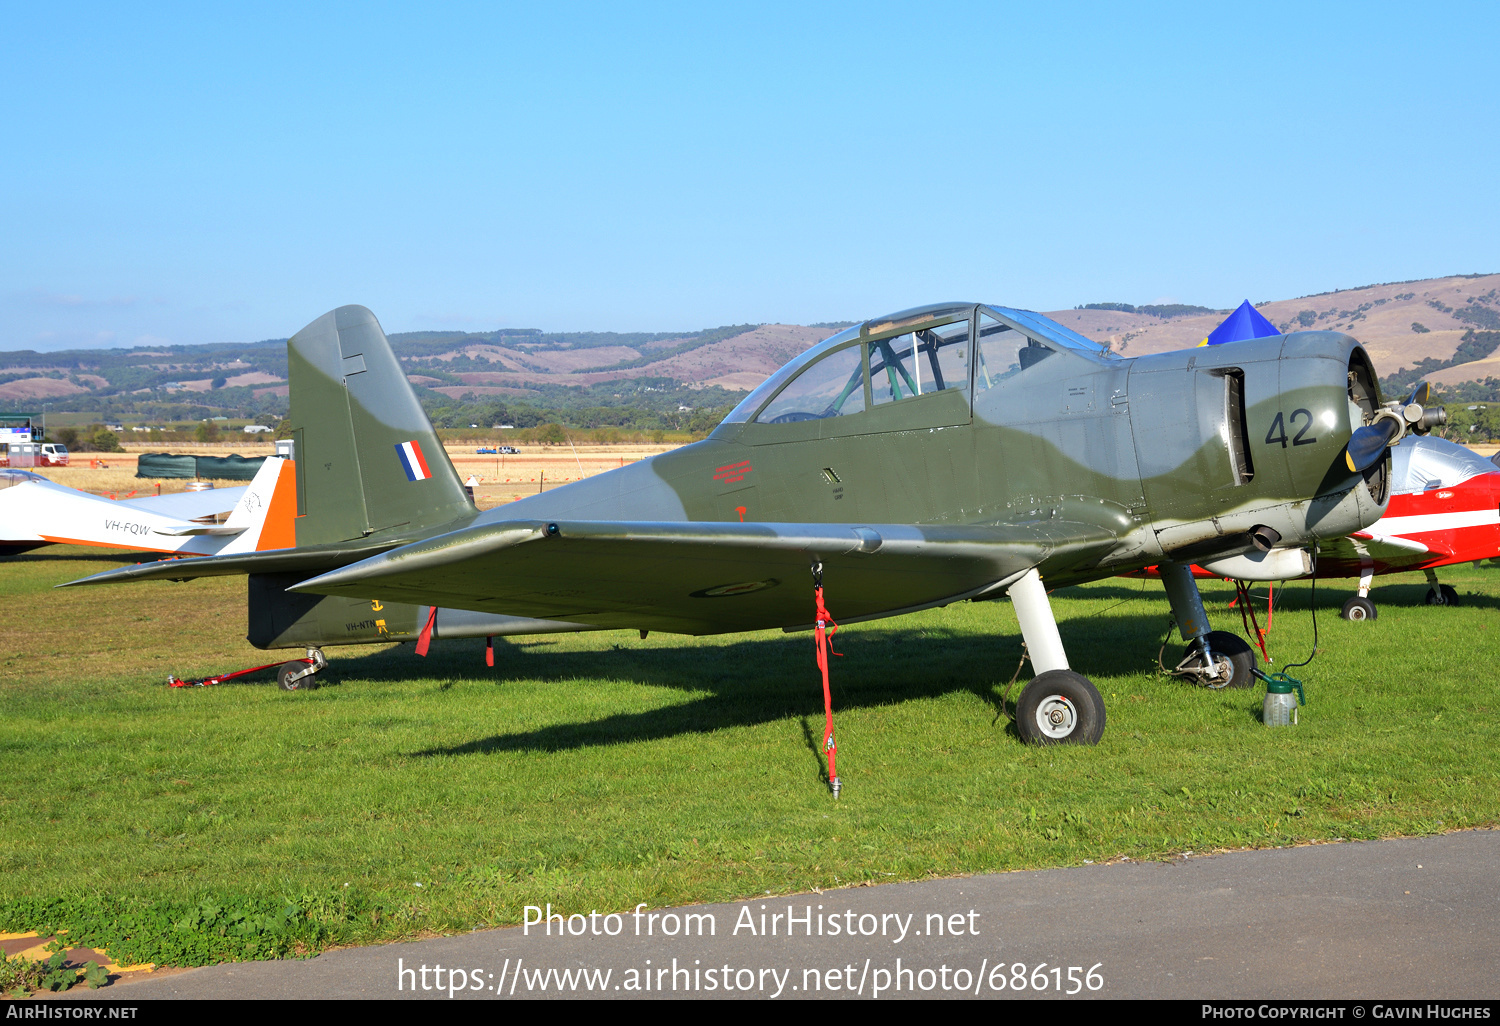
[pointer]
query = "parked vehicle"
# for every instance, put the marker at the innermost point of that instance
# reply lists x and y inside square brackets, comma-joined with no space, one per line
[54,454]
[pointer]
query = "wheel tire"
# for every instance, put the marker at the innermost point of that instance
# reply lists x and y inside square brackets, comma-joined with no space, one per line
[284,677]
[1234,650]
[1441,595]
[1060,707]
[1358,609]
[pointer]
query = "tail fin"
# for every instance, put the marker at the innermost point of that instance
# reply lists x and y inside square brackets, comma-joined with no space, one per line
[367,457]
[266,512]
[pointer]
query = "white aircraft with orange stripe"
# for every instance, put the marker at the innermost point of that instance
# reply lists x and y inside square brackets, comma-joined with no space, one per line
[35,511]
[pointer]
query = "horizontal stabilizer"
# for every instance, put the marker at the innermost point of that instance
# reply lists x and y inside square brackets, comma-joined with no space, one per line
[322,557]
[189,505]
[701,578]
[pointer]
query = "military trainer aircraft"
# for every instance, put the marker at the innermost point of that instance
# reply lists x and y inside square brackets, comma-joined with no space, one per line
[948,452]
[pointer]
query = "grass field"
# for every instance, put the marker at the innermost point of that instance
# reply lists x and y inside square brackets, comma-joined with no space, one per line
[601,770]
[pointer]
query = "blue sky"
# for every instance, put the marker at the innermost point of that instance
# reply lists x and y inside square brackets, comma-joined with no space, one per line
[204,173]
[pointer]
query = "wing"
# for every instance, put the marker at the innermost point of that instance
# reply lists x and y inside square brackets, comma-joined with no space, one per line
[708,578]
[1386,553]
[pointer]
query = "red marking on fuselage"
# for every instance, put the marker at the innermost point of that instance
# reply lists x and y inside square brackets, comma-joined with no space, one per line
[733,472]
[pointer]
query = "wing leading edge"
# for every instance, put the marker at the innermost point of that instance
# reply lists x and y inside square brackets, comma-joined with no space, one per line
[707,578]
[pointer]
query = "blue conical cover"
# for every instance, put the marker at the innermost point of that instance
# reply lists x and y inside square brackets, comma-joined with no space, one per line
[1245,323]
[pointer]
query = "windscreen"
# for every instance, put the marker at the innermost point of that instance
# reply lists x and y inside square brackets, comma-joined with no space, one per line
[767,388]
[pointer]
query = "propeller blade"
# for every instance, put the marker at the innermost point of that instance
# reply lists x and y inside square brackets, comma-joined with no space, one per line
[1419,395]
[1368,444]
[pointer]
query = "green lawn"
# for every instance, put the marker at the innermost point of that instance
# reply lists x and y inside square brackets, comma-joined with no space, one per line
[600,770]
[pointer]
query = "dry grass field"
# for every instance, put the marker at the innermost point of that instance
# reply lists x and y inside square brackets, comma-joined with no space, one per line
[502,479]
[505,479]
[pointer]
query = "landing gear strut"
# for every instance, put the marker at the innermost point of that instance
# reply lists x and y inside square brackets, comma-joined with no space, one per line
[1213,659]
[1439,594]
[1058,706]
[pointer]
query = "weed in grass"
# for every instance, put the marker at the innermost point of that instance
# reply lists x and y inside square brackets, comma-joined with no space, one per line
[20,977]
[596,771]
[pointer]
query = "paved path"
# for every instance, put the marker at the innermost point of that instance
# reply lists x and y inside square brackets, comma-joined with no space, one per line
[1413,918]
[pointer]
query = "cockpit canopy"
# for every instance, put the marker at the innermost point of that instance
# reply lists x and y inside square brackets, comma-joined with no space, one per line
[942,347]
[1421,463]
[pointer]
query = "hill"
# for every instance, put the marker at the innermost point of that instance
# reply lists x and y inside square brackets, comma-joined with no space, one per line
[1401,324]
[1446,329]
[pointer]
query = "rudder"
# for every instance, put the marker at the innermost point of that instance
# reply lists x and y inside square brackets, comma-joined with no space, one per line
[367,458]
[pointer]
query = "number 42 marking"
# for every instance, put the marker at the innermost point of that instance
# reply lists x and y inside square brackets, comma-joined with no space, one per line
[1278,429]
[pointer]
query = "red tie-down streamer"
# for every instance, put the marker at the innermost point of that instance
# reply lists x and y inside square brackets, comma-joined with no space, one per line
[823,631]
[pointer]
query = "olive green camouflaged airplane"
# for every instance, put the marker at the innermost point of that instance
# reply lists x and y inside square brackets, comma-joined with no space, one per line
[949,452]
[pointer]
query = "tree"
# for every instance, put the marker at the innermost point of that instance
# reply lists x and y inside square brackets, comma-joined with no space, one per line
[551,434]
[207,431]
[106,441]
[218,382]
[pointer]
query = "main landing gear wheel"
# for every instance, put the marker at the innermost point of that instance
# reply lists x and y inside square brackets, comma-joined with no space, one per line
[1442,595]
[1358,609]
[286,676]
[1232,655]
[1060,707]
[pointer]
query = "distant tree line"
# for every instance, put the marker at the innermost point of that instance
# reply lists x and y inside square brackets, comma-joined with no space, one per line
[1162,310]
[1473,345]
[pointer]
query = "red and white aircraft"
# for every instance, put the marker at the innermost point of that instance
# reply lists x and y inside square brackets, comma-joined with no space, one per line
[35,511]
[1445,509]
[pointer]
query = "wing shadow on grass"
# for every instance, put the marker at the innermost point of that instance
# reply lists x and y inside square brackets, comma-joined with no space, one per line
[767,679]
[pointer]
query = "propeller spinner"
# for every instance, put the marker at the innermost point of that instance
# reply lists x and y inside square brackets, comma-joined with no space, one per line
[1368,444]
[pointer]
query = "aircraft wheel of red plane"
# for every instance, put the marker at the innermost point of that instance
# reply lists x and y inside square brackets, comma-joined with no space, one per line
[1442,595]
[1060,707]
[1358,608]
